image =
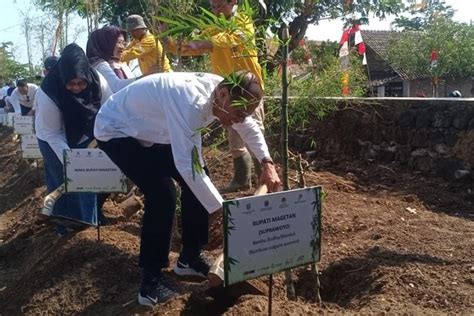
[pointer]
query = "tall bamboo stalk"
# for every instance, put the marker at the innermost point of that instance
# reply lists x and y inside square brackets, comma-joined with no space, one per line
[284,107]
[290,289]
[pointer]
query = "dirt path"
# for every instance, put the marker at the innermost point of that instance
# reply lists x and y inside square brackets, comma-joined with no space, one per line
[376,256]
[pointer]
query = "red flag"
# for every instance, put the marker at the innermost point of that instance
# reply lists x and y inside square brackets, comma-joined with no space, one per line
[345,37]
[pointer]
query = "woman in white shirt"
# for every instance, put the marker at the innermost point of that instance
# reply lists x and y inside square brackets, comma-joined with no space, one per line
[67,104]
[104,48]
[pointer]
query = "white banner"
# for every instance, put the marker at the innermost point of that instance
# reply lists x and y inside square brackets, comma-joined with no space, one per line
[270,233]
[91,170]
[23,125]
[29,147]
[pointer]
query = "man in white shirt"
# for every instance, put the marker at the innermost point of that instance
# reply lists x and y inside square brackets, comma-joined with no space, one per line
[151,130]
[4,90]
[23,97]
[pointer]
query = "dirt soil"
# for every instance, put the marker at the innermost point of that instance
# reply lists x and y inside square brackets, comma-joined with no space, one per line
[377,257]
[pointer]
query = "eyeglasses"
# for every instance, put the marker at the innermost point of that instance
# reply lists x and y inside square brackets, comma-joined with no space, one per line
[27,98]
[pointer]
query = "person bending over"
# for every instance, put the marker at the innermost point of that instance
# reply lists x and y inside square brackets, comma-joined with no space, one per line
[151,131]
[67,104]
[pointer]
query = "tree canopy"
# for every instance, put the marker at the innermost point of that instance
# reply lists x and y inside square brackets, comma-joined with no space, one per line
[9,68]
[267,13]
[419,16]
[300,14]
[452,41]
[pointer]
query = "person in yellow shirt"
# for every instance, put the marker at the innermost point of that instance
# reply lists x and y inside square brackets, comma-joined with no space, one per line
[230,51]
[149,51]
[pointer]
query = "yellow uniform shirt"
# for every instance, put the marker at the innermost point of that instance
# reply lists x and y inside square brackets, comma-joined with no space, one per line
[232,50]
[149,53]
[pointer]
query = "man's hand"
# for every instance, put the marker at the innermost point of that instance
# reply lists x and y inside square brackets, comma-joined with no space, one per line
[270,177]
[203,46]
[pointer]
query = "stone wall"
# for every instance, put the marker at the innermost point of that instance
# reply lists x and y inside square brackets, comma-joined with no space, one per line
[435,136]
[424,87]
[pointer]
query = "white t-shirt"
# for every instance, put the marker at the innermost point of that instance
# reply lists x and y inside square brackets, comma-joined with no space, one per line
[172,108]
[4,91]
[49,122]
[27,100]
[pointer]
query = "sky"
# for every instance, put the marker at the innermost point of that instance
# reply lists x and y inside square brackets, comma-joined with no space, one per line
[11,18]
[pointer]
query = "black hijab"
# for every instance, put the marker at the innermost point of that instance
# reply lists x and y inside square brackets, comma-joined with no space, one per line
[79,110]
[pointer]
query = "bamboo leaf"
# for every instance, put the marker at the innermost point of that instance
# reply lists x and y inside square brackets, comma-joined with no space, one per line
[196,166]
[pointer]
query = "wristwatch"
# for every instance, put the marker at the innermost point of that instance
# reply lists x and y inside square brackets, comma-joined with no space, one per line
[267,160]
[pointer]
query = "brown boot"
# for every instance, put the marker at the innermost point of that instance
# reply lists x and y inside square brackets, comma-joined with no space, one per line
[242,173]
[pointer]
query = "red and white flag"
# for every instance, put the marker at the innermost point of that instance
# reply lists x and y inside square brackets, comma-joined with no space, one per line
[344,42]
[434,59]
[358,41]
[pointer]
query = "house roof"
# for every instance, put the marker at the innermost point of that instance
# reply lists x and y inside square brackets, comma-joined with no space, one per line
[379,42]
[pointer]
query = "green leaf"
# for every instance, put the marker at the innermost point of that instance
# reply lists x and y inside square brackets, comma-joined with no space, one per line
[196,166]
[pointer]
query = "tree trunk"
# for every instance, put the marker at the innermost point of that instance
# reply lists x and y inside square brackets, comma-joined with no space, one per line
[27,26]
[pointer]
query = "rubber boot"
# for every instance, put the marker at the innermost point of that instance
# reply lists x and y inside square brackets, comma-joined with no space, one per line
[242,173]
[257,167]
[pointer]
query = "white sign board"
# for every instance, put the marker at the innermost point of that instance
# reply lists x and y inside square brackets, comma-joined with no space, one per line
[23,125]
[29,147]
[4,119]
[270,233]
[91,170]
[11,118]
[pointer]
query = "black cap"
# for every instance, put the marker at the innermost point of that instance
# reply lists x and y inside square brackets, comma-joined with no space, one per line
[50,62]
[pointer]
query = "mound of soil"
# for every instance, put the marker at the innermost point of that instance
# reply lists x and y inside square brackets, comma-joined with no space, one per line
[393,241]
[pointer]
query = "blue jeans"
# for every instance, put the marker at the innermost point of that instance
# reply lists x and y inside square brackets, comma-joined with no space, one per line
[76,206]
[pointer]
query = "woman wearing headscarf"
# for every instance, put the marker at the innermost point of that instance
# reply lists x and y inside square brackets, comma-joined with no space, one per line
[104,48]
[67,103]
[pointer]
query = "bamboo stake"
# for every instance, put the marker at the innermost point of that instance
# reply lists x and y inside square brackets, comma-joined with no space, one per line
[314,267]
[290,289]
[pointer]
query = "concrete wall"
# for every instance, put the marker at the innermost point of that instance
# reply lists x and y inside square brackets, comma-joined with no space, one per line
[435,136]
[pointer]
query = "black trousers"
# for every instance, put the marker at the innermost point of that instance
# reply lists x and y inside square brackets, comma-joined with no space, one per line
[24,110]
[152,170]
